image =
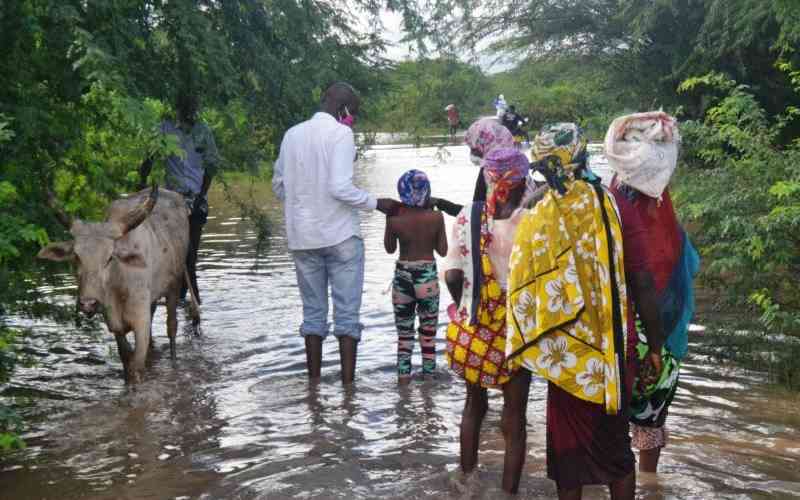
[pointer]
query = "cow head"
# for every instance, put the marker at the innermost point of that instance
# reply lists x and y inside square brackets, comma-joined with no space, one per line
[97,249]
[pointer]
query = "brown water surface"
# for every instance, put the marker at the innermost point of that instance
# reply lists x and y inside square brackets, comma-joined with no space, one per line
[234,416]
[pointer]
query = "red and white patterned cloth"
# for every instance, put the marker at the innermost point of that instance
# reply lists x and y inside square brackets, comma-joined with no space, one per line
[648,438]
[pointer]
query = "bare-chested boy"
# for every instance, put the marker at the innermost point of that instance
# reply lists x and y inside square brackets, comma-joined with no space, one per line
[420,231]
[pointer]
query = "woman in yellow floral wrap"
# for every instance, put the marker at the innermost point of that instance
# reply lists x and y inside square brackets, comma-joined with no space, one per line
[568,318]
[476,275]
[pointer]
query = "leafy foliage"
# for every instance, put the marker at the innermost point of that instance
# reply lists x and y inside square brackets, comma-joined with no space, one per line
[743,197]
[647,46]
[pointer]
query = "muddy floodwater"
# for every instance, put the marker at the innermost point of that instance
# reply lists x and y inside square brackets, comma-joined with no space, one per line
[235,418]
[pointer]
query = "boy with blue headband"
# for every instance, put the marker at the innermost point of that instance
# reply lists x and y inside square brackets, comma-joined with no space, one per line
[415,289]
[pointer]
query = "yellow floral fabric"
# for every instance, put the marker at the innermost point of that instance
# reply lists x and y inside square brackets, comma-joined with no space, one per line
[561,309]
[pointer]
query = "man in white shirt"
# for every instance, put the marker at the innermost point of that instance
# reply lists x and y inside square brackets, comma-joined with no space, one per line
[314,179]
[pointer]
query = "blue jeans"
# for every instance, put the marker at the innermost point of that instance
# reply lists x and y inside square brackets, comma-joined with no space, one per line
[342,266]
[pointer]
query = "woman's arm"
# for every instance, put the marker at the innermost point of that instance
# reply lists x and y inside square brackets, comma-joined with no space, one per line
[441,235]
[480,187]
[454,278]
[456,259]
[638,253]
[389,238]
[646,299]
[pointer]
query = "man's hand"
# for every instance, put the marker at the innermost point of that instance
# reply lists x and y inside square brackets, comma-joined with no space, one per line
[388,206]
[650,371]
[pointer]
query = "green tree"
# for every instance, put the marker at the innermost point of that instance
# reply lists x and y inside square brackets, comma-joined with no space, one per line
[648,46]
[742,199]
[84,85]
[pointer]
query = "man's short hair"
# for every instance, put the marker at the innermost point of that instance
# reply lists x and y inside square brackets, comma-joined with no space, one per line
[339,91]
[187,103]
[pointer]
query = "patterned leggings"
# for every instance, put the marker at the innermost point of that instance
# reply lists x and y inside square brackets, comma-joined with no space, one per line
[415,290]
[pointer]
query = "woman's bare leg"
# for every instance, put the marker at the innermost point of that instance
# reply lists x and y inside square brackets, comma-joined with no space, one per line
[575,494]
[648,460]
[624,488]
[475,408]
[515,405]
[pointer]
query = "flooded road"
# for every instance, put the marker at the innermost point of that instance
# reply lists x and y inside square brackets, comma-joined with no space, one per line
[235,418]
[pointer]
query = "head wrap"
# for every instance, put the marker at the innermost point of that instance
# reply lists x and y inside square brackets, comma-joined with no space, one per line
[503,169]
[643,150]
[487,134]
[414,188]
[560,149]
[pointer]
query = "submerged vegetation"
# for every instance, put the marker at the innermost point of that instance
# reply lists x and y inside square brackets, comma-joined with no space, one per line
[775,356]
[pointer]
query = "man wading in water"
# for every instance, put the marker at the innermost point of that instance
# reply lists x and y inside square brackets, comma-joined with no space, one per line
[190,175]
[314,179]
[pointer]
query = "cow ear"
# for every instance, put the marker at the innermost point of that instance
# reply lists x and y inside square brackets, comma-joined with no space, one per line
[129,257]
[59,251]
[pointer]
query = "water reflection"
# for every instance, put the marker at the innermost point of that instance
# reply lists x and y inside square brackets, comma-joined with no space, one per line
[234,416]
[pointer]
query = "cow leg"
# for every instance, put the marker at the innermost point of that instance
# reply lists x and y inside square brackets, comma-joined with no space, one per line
[125,351]
[172,318]
[137,365]
[152,315]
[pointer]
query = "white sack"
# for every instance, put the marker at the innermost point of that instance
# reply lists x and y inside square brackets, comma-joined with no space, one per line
[642,149]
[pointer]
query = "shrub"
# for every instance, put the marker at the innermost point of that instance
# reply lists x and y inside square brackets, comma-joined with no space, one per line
[741,197]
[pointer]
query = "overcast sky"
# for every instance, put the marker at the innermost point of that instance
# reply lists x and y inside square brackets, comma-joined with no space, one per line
[397,51]
[393,21]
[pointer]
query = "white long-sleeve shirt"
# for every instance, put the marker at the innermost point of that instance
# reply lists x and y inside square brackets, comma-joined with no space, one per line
[313,176]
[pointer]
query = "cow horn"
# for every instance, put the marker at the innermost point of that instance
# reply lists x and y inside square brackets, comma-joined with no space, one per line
[61,216]
[136,216]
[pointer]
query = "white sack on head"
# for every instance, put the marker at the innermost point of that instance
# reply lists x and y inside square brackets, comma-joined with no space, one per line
[642,149]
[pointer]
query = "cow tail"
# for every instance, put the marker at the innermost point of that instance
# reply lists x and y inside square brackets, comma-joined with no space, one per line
[194,310]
